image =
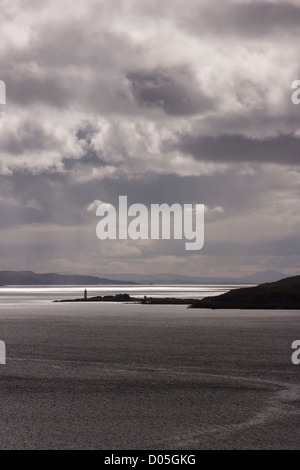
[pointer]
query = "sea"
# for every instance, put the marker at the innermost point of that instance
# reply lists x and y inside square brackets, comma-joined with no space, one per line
[115,376]
[40,294]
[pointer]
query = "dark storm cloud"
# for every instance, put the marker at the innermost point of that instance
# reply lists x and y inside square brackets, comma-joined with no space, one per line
[244,19]
[90,156]
[86,131]
[175,91]
[234,148]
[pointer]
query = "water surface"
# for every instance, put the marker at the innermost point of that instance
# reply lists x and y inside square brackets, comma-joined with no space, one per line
[130,376]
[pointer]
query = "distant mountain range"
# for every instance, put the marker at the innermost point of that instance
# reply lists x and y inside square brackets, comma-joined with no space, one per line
[170,278]
[31,278]
[27,278]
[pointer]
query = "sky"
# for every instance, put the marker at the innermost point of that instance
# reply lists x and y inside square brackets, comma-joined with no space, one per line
[164,101]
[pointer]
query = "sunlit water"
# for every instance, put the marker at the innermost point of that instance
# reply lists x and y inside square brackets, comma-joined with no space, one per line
[40,294]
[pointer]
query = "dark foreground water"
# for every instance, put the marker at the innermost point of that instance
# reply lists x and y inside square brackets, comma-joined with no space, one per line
[123,376]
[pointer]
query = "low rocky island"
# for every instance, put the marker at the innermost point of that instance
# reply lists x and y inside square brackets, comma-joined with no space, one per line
[128,299]
[283,294]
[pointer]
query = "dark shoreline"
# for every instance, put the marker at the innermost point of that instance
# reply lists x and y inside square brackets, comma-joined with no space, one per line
[283,294]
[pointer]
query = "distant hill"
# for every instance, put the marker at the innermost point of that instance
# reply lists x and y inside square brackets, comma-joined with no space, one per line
[263,276]
[27,278]
[170,278]
[283,294]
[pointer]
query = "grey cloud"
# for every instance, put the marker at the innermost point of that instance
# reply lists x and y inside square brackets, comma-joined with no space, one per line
[57,204]
[29,90]
[175,91]
[89,45]
[250,19]
[63,201]
[235,148]
[12,216]
[86,131]
[283,247]
[137,88]
[247,192]
[27,136]
[86,69]
[90,158]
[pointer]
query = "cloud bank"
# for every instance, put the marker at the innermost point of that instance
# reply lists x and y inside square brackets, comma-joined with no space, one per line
[163,101]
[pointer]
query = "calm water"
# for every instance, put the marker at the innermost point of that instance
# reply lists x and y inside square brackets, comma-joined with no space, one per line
[39,294]
[130,376]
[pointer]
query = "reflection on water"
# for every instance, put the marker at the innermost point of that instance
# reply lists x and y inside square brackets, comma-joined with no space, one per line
[37,294]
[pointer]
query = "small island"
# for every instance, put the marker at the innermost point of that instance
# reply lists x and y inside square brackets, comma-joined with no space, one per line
[283,294]
[128,299]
